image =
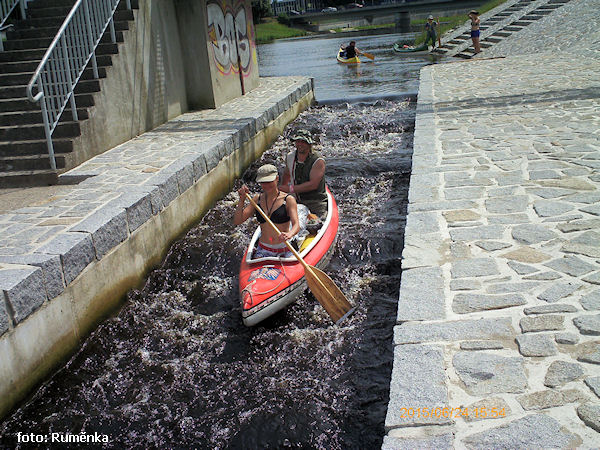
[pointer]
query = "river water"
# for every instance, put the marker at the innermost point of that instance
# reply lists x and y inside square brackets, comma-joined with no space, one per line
[176,368]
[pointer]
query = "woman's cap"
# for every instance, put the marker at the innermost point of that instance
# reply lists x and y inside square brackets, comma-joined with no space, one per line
[303,135]
[431,17]
[266,173]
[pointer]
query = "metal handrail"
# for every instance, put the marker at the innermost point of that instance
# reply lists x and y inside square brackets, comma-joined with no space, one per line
[7,7]
[67,57]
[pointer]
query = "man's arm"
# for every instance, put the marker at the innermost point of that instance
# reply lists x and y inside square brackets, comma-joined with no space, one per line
[316,175]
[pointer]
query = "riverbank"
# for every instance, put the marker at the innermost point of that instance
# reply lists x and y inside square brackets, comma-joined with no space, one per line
[496,342]
[70,253]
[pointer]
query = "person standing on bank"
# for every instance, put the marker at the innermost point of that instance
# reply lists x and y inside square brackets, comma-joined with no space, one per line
[304,174]
[474,16]
[280,207]
[430,30]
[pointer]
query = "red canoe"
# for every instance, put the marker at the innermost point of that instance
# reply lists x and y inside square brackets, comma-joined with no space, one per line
[270,284]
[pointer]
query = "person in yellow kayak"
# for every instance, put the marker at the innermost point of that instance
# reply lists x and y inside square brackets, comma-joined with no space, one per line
[350,50]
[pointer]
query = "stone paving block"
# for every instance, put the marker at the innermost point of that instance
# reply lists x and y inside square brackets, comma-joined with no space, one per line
[593,278]
[76,251]
[562,372]
[425,222]
[475,267]
[558,291]
[507,205]
[571,265]
[548,208]
[589,325]
[467,303]
[138,208]
[526,255]
[417,332]
[444,441]
[465,285]
[23,289]
[417,303]
[550,309]
[477,233]
[541,323]
[481,345]
[541,400]
[5,320]
[521,269]
[183,168]
[491,246]
[591,301]
[594,209]
[506,288]
[418,381]
[536,345]
[594,384]
[532,234]
[543,276]
[51,270]
[590,415]
[108,228]
[167,185]
[589,352]
[534,431]
[486,373]
[566,338]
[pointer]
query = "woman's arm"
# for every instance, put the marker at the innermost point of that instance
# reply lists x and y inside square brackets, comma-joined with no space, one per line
[242,213]
[292,209]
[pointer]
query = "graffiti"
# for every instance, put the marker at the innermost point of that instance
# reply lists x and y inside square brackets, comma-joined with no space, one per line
[230,36]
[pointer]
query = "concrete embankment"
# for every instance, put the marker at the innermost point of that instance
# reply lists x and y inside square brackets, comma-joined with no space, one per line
[496,343]
[66,262]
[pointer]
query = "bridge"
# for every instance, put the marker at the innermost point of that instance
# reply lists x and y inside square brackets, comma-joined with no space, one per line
[370,13]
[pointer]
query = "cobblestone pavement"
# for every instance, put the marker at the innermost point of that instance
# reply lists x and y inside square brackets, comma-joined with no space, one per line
[498,321]
[46,245]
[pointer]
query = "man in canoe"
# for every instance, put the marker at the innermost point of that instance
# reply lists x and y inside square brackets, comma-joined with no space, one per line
[430,30]
[304,174]
[279,206]
[350,50]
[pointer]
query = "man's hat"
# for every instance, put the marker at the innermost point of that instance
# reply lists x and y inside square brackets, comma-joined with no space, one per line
[430,17]
[474,12]
[303,135]
[266,173]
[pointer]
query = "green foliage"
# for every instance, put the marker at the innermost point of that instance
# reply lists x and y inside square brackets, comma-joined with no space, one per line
[283,19]
[271,30]
[260,10]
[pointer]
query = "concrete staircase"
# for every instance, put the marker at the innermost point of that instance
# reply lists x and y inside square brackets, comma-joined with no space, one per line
[24,157]
[497,24]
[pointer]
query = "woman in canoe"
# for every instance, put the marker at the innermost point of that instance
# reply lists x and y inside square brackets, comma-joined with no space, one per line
[279,206]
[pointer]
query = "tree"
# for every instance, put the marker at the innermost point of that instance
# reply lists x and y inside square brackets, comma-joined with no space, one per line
[260,10]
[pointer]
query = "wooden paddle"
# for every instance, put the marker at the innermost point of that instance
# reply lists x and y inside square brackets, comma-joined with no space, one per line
[322,287]
[368,55]
[439,33]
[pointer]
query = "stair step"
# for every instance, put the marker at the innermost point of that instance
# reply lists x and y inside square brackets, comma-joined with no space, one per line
[83,87]
[49,11]
[501,34]
[485,44]
[44,42]
[30,162]
[521,23]
[464,55]
[50,3]
[531,17]
[50,31]
[23,104]
[491,39]
[31,66]
[512,28]
[33,132]
[28,178]
[456,41]
[35,117]
[35,147]
[17,79]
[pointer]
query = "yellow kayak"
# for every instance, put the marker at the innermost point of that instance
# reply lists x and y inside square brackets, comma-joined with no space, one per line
[344,60]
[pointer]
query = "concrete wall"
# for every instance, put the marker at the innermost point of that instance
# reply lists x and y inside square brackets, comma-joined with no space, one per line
[168,65]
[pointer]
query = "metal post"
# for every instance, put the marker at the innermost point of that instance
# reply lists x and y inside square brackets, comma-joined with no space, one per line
[88,23]
[128,3]
[113,36]
[23,4]
[47,127]
[69,78]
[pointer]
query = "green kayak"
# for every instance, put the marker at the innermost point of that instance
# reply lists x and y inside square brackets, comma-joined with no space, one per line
[409,49]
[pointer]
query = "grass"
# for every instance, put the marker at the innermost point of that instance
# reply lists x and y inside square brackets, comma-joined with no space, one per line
[451,22]
[364,27]
[270,30]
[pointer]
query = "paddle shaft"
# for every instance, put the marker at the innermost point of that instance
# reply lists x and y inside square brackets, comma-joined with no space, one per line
[324,295]
[439,33]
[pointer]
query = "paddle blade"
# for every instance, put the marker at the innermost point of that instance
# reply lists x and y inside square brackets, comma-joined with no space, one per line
[328,294]
[368,55]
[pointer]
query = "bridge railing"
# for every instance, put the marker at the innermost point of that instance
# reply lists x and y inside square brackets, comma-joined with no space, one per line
[67,57]
[7,7]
